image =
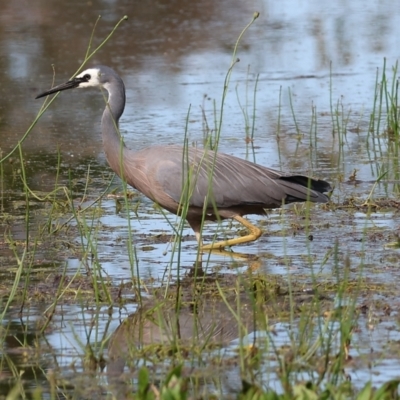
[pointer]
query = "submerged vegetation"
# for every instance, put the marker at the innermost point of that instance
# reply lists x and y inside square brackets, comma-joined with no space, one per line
[317,321]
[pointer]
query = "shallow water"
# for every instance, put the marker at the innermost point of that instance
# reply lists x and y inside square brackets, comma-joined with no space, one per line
[175,56]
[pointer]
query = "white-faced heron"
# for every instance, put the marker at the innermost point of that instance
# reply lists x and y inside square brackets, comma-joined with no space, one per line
[205,184]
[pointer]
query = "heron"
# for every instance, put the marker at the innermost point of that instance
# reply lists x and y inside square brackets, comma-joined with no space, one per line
[198,184]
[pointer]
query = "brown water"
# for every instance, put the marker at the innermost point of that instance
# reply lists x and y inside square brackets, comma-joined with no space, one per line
[173,55]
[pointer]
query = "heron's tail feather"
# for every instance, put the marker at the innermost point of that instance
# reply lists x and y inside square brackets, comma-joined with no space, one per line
[301,188]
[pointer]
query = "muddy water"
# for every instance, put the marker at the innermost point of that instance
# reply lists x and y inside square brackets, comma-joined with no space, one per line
[310,60]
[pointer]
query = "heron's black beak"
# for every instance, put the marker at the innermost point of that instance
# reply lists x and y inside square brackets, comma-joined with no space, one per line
[73,83]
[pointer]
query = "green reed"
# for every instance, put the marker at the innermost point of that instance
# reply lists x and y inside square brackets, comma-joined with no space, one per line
[249,118]
[383,133]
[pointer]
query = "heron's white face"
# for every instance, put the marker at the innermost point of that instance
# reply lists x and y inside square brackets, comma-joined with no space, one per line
[100,76]
[94,80]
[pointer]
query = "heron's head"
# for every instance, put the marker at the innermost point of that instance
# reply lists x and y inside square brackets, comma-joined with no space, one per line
[92,77]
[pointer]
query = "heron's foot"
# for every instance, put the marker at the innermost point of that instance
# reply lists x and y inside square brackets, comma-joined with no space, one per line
[254,234]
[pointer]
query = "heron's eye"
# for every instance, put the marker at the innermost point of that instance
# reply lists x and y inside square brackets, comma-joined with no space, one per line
[87,77]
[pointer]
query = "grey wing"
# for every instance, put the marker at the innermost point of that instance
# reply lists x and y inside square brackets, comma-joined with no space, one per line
[233,181]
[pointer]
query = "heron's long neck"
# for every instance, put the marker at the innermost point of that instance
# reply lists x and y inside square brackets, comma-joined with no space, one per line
[112,141]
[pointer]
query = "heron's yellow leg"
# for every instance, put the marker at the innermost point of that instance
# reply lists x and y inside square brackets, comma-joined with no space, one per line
[254,234]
